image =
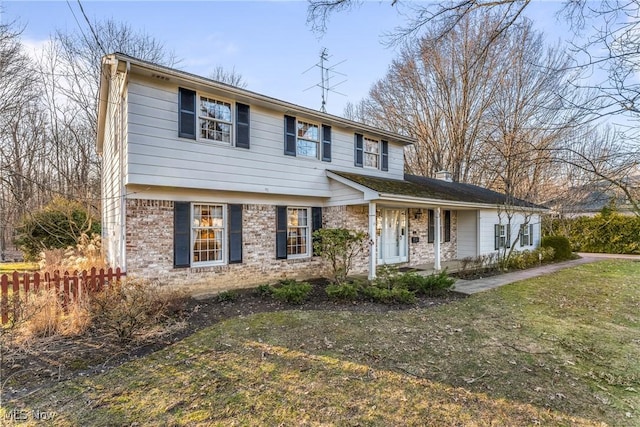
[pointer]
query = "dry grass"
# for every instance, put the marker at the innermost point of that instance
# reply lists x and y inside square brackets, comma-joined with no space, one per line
[84,256]
[557,350]
[44,314]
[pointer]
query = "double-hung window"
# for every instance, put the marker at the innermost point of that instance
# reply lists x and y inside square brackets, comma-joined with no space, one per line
[298,232]
[208,234]
[215,120]
[308,139]
[371,153]
[208,118]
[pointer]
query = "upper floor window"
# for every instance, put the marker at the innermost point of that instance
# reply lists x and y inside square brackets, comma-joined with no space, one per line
[308,139]
[371,153]
[205,118]
[215,120]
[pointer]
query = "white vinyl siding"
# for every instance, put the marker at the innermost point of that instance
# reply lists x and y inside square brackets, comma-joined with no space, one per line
[158,157]
[467,233]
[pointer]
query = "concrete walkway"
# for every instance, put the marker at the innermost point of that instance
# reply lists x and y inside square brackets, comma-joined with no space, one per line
[474,286]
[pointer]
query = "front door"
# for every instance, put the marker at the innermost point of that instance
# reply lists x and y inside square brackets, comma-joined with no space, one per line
[392,236]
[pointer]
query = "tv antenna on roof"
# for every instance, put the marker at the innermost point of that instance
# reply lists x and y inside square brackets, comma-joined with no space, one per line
[326,75]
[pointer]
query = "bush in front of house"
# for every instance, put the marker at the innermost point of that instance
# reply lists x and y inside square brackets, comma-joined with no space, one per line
[128,307]
[561,247]
[291,291]
[342,291]
[384,295]
[339,246]
[526,259]
[432,285]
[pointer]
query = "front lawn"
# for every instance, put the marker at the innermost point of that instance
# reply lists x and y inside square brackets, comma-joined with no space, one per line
[561,349]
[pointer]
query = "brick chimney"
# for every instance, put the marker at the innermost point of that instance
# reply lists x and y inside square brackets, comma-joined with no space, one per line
[444,176]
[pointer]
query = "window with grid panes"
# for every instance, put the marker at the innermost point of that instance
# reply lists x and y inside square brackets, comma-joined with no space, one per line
[215,120]
[298,232]
[208,231]
[371,153]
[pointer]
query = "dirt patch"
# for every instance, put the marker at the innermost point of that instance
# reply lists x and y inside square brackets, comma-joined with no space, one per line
[40,363]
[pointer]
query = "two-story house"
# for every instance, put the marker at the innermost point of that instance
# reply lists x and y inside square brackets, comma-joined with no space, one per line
[219,187]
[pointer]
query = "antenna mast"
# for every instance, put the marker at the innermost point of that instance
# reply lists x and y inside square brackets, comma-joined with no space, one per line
[326,72]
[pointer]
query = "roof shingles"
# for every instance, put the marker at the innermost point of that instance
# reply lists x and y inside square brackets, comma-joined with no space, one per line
[431,188]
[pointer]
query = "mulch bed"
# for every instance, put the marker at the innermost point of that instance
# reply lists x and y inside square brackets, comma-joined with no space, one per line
[41,363]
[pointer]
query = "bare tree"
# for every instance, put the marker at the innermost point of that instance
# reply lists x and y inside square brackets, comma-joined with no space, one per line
[230,77]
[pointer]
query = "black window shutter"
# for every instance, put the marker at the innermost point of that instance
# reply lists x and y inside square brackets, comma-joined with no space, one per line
[508,244]
[447,226]
[326,143]
[289,136]
[186,113]
[431,228]
[242,125]
[181,234]
[530,234]
[358,150]
[316,224]
[496,232]
[235,234]
[281,232]
[385,158]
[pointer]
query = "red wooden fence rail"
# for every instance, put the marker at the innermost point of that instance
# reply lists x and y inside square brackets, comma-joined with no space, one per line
[15,288]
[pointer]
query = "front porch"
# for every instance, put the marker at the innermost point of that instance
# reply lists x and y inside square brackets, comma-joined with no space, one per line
[452,266]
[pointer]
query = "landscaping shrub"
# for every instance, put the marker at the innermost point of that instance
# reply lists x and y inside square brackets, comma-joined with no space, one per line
[608,232]
[342,291]
[561,247]
[291,291]
[339,246]
[60,224]
[84,255]
[387,296]
[435,284]
[227,296]
[527,259]
[128,307]
[264,290]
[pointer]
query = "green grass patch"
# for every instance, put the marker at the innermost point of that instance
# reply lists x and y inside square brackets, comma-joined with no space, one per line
[10,267]
[561,349]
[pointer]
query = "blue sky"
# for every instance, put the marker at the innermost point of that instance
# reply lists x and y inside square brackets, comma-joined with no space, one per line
[268,42]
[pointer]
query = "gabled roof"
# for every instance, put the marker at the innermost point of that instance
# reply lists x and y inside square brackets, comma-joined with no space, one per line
[435,189]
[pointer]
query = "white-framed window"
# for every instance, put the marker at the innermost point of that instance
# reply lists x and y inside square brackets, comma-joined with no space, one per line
[308,139]
[298,233]
[371,153]
[215,119]
[208,241]
[526,235]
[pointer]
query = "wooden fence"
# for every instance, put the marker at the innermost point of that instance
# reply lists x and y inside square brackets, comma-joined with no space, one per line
[15,288]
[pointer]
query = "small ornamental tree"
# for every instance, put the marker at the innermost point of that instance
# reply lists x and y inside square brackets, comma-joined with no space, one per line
[340,247]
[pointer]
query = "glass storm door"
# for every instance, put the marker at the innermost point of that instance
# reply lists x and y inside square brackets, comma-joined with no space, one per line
[392,236]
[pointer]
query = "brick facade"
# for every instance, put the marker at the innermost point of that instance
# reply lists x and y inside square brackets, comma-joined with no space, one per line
[149,246]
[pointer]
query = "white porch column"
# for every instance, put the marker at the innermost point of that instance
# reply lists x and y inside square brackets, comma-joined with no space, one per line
[436,241]
[373,252]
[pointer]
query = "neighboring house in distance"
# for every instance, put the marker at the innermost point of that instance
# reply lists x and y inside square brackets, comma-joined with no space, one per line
[590,199]
[218,187]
